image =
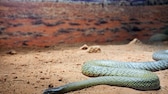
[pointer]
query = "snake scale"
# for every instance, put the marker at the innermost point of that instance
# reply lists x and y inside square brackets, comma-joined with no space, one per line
[125,74]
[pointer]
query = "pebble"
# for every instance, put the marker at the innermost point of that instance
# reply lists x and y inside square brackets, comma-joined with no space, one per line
[11,52]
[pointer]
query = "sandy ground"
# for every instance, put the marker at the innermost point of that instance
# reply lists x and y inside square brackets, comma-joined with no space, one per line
[31,71]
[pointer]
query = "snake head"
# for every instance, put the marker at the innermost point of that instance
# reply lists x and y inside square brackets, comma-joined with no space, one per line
[57,90]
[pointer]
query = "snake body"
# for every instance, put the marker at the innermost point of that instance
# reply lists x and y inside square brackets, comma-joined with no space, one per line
[126,74]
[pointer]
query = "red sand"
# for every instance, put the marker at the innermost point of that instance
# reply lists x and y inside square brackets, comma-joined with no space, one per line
[48,24]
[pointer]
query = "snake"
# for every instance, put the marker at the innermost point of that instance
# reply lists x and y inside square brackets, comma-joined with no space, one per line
[135,75]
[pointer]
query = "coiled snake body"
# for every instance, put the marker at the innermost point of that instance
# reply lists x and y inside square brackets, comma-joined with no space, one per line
[125,74]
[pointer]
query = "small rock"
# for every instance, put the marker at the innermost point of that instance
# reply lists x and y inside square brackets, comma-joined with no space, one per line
[135,41]
[60,79]
[84,47]
[94,49]
[42,78]
[11,52]
[28,82]
[50,86]
[15,77]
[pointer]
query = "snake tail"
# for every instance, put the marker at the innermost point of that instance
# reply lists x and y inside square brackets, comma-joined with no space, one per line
[135,83]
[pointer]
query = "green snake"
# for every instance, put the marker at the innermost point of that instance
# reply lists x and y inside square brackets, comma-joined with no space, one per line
[125,74]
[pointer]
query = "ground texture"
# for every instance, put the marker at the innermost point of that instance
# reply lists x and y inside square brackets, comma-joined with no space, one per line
[30,71]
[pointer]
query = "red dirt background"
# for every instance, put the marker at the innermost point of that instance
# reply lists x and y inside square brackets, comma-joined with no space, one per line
[47,24]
